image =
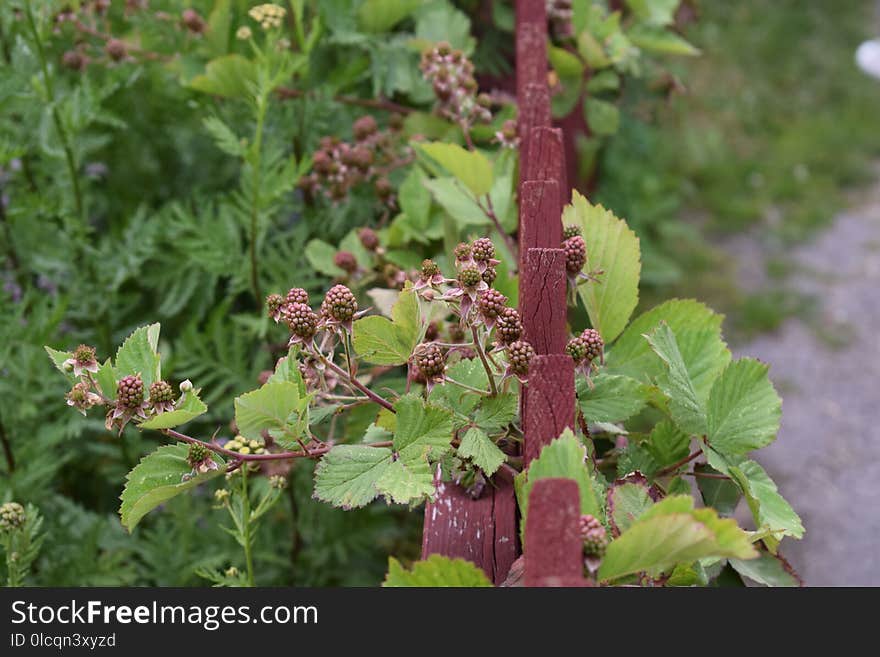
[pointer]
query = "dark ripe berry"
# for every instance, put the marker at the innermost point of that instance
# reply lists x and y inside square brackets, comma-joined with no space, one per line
[368,238]
[593,344]
[482,249]
[339,304]
[197,454]
[364,127]
[570,231]
[575,254]
[489,275]
[84,354]
[429,268]
[491,304]
[432,332]
[383,187]
[12,516]
[194,23]
[161,391]
[430,361]
[130,391]
[462,251]
[116,49]
[74,60]
[508,326]
[469,277]
[519,356]
[300,319]
[594,536]
[297,295]
[273,304]
[346,261]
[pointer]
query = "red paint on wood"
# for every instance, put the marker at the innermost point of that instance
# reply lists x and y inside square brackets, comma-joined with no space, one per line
[533,111]
[545,160]
[540,217]
[549,406]
[481,530]
[542,300]
[554,548]
[531,44]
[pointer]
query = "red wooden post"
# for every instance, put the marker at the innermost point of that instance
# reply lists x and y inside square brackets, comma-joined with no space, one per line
[549,405]
[554,550]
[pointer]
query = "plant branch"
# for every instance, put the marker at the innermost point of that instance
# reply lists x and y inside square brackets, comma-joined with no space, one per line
[478,345]
[675,466]
[371,103]
[384,403]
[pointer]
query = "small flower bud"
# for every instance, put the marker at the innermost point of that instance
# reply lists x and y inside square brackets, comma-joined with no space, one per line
[12,517]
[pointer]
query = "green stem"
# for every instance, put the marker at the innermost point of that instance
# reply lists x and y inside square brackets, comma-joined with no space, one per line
[246,525]
[478,345]
[56,117]
[11,570]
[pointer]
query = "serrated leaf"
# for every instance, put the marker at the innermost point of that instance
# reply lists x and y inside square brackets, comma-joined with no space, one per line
[58,358]
[723,495]
[667,443]
[497,412]
[471,168]
[566,64]
[137,355]
[628,499]
[320,256]
[189,408]
[612,398]
[463,402]
[375,16]
[230,76]
[287,370]
[406,483]
[613,248]
[346,476]
[415,199]
[105,377]
[661,41]
[422,429]
[768,569]
[686,408]
[157,478]
[673,532]
[390,342]
[267,408]
[436,571]
[485,454]
[224,138]
[744,409]
[602,117]
[654,12]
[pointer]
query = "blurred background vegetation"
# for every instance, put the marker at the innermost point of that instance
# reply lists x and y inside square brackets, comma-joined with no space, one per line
[765,135]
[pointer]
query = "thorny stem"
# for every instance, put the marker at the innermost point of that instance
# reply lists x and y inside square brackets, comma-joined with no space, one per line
[56,117]
[675,466]
[384,403]
[478,345]
[489,211]
[705,475]
[466,387]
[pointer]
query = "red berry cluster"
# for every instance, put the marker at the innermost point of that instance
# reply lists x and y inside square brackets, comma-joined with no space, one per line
[451,74]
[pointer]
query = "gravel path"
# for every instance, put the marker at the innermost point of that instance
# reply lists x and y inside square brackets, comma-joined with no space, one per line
[826,460]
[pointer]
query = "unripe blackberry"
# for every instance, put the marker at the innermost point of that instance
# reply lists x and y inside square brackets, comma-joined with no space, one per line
[130,391]
[430,361]
[161,392]
[571,230]
[321,161]
[469,277]
[519,356]
[429,268]
[12,516]
[383,188]
[575,254]
[594,535]
[300,319]
[339,304]
[273,304]
[368,238]
[364,127]
[482,249]
[74,60]
[508,130]
[362,157]
[297,295]
[489,275]
[197,454]
[432,332]
[463,251]
[491,304]
[116,49]
[346,261]
[194,23]
[508,326]
[593,343]
[443,48]
[484,100]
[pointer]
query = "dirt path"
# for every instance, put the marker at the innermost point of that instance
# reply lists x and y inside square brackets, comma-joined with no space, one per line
[826,460]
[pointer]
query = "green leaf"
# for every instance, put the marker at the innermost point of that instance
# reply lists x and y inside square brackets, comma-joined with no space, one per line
[478,447]
[686,409]
[223,137]
[566,64]
[470,167]
[654,12]
[375,16]
[723,495]
[440,21]
[287,370]
[267,408]
[612,398]
[230,76]
[157,478]
[613,248]
[436,571]
[406,483]
[602,116]
[564,457]
[188,408]
[659,40]
[627,501]
[768,569]
[461,401]
[667,443]
[744,409]
[603,81]
[346,476]
[497,412]
[456,201]
[58,358]
[592,51]
[672,532]
[105,377]
[415,199]
[320,256]
[390,342]
[422,429]
[137,355]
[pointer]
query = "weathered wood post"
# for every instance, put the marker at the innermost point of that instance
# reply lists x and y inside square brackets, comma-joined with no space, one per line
[554,547]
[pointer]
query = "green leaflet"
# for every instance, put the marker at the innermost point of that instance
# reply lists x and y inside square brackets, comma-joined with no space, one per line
[403,483]
[157,478]
[390,342]
[276,407]
[435,571]
[320,256]
[612,398]
[684,405]
[471,168]
[138,355]
[189,408]
[422,429]
[230,76]
[376,16]
[478,447]
[346,476]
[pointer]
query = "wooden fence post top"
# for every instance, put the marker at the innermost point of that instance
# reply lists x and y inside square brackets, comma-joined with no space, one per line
[554,550]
